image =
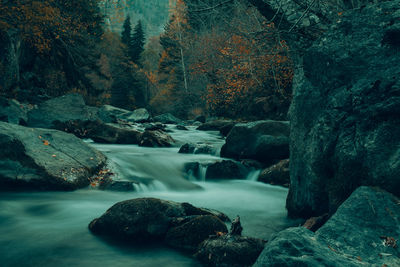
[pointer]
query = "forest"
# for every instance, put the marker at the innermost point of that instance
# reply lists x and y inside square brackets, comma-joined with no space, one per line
[200,133]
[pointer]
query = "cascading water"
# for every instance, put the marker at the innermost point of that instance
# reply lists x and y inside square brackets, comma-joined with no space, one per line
[50,229]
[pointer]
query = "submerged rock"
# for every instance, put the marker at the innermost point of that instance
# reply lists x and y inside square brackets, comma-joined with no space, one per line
[265,141]
[277,174]
[43,159]
[149,219]
[226,169]
[363,231]
[200,148]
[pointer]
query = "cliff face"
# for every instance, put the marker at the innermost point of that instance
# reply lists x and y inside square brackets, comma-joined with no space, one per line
[154,14]
[345,116]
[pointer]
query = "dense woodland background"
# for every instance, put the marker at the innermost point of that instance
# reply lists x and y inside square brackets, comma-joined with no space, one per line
[187,57]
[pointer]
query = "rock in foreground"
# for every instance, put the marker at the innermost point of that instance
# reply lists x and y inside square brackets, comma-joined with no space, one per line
[277,174]
[42,159]
[345,129]
[149,219]
[363,232]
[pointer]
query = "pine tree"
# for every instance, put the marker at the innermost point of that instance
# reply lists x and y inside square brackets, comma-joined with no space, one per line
[126,33]
[137,43]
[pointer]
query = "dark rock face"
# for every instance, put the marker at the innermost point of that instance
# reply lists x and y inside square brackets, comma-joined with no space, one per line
[155,139]
[361,232]
[345,127]
[187,148]
[230,250]
[13,112]
[119,186]
[277,174]
[150,219]
[226,169]
[265,141]
[62,109]
[108,113]
[200,118]
[41,159]
[167,118]
[197,149]
[189,235]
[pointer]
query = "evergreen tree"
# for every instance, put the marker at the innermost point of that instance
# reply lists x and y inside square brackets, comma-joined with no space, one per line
[137,43]
[126,32]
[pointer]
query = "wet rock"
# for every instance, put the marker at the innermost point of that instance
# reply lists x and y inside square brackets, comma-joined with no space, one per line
[167,118]
[215,125]
[187,148]
[155,139]
[119,186]
[13,112]
[62,109]
[100,132]
[314,223]
[189,235]
[277,174]
[200,118]
[138,115]
[345,129]
[361,232]
[226,169]
[149,219]
[225,130]
[200,148]
[155,126]
[265,141]
[230,250]
[182,128]
[108,113]
[43,159]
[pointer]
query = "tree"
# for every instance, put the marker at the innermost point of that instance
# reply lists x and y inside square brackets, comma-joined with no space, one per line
[126,32]
[137,43]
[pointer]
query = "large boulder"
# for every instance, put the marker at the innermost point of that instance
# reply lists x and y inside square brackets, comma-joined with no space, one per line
[109,133]
[42,159]
[345,129]
[108,113]
[155,139]
[138,115]
[149,219]
[364,231]
[167,118]
[265,141]
[62,109]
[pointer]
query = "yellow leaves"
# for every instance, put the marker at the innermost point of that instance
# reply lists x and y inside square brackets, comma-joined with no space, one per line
[45,142]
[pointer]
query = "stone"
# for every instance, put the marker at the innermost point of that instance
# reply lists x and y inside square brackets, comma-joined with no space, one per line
[345,129]
[265,141]
[143,220]
[230,251]
[155,139]
[62,109]
[187,148]
[214,125]
[200,118]
[226,169]
[277,174]
[363,231]
[136,116]
[189,235]
[167,118]
[44,159]
[13,112]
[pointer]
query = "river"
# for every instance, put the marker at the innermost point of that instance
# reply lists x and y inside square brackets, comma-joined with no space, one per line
[50,228]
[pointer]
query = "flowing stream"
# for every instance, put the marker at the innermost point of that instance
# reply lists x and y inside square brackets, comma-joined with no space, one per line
[50,228]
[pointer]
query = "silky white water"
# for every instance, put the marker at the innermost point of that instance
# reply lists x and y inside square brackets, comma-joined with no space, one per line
[50,229]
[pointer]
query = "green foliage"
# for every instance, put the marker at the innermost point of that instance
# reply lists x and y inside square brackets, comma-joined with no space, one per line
[137,43]
[126,32]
